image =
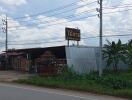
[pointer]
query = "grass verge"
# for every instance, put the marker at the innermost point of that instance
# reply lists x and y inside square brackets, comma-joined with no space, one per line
[115,84]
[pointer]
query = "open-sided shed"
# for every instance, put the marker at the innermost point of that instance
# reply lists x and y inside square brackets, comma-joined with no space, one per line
[82,59]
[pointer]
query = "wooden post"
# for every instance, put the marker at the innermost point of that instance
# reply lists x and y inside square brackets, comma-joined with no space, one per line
[68,43]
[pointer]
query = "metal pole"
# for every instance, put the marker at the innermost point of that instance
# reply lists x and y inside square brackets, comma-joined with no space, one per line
[68,43]
[101,32]
[6,46]
[5,30]
[77,43]
[6,41]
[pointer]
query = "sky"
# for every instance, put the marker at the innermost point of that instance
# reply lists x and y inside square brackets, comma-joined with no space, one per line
[41,23]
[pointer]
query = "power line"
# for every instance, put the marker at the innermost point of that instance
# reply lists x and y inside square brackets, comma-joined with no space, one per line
[93,15]
[38,43]
[116,11]
[118,35]
[49,38]
[51,21]
[78,19]
[40,40]
[52,10]
[118,29]
[114,31]
[86,11]
[71,10]
[65,17]
[114,7]
[2,43]
[48,11]
[58,13]
[64,37]
[46,38]
[118,5]
[62,22]
[60,8]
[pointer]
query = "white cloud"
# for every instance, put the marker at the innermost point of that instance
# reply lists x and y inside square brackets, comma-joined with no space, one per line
[41,32]
[114,23]
[2,10]
[44,33]
[27,17]
[90,8]
[14,2]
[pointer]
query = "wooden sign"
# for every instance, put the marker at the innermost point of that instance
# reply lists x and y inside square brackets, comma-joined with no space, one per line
[72,34]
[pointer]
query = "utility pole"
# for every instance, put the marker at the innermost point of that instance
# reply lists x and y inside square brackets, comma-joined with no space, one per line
[100,10]
[5,30]
[6,34]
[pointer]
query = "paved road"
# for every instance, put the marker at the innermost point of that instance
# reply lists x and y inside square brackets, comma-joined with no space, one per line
[20,92]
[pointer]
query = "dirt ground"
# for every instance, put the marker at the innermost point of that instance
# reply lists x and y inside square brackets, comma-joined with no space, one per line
[8,76]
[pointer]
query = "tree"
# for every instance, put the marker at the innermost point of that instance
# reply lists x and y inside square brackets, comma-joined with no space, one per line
[129,53]
[113,53]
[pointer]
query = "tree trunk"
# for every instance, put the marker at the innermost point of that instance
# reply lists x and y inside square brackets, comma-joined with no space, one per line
[115,65]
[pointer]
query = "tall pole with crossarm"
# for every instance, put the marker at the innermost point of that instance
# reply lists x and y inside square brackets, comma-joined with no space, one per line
[6,34]
[5,30]
[100,38]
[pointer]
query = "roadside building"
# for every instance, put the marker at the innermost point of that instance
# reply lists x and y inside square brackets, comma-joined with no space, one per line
[51,60]
[82,59]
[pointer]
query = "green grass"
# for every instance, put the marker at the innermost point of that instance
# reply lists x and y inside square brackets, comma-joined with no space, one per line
[116,84]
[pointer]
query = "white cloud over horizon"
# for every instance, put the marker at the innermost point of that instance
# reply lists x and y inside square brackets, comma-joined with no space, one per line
[46,33]
[14,2]
[41,31]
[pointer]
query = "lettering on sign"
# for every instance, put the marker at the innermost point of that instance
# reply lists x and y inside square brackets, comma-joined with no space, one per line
[72,34]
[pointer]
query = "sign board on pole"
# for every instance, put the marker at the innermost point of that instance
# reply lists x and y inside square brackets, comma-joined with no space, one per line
[72,34]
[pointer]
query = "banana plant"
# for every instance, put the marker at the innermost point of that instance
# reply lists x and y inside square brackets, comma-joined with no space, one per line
[113,53]
[129,53]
